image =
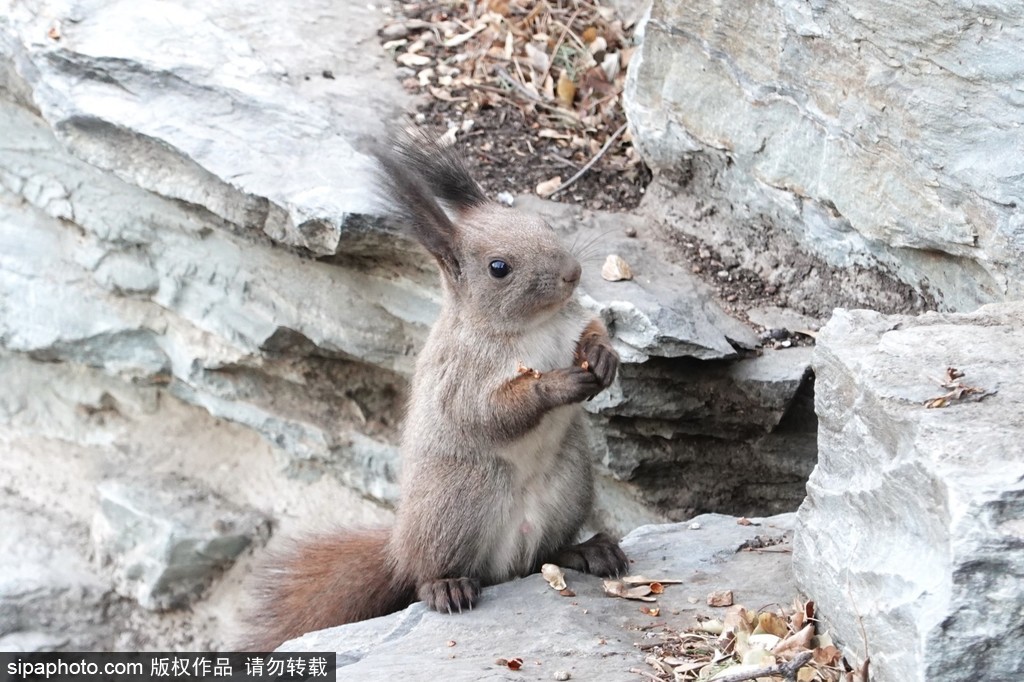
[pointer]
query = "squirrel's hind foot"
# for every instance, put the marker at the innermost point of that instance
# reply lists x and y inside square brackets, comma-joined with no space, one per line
[450,594]
[600,555]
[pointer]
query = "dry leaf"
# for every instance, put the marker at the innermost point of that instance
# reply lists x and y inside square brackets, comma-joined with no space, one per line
[566,89]
[772,624]
[617,588]
[548,187]
[567,593]
[795,643]
[554,575]
[410,59]
[615,269]
[459,39]
[720,598]
[644,580]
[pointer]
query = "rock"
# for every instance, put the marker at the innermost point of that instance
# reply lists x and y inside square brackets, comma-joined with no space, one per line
[107,85]
[664,311]
[591,636]
[189,247]
[168,538]
[820,135]
[64,428]
[912,523]
[48,590]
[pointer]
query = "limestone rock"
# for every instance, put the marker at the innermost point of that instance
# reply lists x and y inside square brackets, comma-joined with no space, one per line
[167,538]
[913,519]
[664,311]
[590,635]
[875,138]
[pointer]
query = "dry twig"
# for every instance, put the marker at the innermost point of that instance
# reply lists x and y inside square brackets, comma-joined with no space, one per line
[785,670]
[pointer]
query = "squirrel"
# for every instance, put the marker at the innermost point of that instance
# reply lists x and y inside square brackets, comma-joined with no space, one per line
[496,478]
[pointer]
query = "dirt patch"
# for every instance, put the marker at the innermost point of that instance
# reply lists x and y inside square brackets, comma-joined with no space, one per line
[530,91]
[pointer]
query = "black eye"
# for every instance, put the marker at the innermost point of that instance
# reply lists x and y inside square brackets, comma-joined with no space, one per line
[499,268]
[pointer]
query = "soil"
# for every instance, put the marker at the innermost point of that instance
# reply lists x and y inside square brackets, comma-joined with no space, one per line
[514,130]
[505,155]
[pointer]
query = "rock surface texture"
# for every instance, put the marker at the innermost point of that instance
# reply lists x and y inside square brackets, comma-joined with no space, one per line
[590,636]
[914,520]
[862,154]
[193,283]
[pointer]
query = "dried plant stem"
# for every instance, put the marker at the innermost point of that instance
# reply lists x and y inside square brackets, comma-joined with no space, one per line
[785,670]
[607,145]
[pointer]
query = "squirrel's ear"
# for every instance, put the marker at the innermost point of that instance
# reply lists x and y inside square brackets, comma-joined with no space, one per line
[413,202]
[442,168]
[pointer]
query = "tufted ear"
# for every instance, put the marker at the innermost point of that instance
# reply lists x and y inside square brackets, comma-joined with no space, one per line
[413,174]
[442,168]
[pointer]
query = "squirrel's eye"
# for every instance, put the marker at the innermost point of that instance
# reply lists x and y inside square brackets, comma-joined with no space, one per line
[499,268]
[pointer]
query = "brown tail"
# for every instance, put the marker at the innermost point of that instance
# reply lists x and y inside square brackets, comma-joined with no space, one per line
[322,582]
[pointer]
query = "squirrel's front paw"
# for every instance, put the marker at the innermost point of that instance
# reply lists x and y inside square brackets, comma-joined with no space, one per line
[600,358]
[449,594]
[569,385]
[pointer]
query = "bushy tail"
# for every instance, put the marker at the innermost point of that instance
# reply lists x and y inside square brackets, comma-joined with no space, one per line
[322,582]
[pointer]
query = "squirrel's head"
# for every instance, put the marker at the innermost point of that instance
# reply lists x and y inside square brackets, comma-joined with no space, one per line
[500,265]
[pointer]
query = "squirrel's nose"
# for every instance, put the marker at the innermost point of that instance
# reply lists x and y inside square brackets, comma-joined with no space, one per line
[571,274]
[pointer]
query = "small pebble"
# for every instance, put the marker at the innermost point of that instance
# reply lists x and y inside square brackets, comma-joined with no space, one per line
[562,675]
[505,198]
[328,74]
[631,232]
[695,525]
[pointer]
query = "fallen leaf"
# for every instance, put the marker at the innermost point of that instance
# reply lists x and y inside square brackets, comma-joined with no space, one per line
[768,622]
[459,39]
[554,575]
[548,187]
[410,59]
[795,643]
[615,269]
[827,656]
[567,593]
[713,626]
[720,598]
[644,580]
[566,89]
[617,588]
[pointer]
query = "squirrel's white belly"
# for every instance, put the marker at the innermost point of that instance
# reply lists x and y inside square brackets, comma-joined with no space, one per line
[532,503]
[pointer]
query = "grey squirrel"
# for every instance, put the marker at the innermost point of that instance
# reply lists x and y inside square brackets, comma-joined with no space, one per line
[496,478]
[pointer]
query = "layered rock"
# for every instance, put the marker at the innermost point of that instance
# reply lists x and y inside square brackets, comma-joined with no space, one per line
[860,155]
[913,525]
[189,248]
[589,636]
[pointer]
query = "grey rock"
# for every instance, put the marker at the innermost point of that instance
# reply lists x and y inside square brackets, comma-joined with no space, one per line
[271,154]
[49,594]
[168,538]
[663,311]
[912,523]
[591,636]
[820,129]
